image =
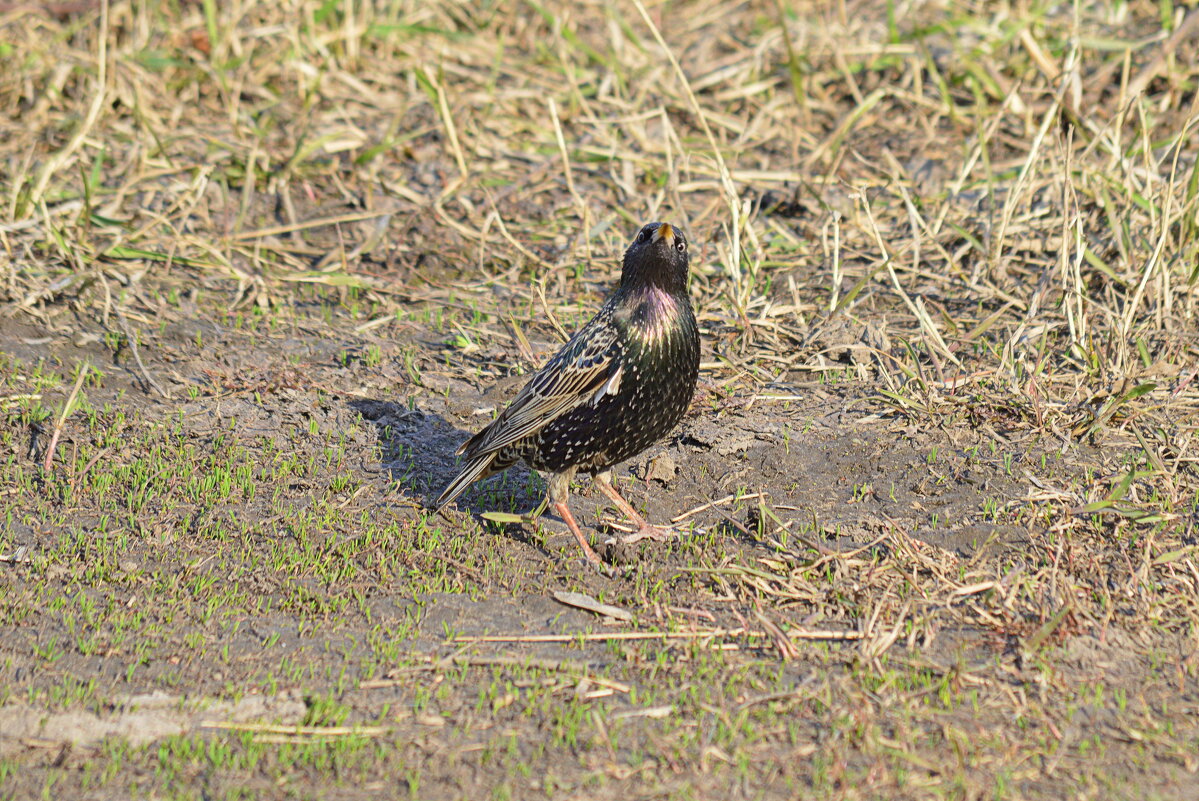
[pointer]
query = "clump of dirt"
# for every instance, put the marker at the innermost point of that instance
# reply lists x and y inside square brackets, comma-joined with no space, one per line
[933,502]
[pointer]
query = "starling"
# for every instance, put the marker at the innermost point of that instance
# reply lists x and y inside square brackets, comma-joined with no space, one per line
[621,383]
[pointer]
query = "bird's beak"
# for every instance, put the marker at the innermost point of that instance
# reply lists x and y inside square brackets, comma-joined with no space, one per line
[664,232]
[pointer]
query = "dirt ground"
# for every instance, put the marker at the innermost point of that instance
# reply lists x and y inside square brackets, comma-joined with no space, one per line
[935,497]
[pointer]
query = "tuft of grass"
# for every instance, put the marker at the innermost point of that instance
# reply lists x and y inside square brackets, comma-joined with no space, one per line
[258,263]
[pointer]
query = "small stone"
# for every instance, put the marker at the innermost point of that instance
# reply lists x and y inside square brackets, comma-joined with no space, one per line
[661,468]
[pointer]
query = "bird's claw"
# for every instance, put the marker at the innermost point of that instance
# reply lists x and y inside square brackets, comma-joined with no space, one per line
[648,532]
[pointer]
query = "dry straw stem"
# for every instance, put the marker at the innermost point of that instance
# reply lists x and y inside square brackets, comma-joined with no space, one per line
[735,222]
[99,93]
[83,370]
[447,119]
[584,213]
[574,669]
[296,731]
[1166,223]
[995,201]
[619,636]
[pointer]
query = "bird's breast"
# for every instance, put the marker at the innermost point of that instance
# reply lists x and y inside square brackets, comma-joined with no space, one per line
[658,358]
[651,313]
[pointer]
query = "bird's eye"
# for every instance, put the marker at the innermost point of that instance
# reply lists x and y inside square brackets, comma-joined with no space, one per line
[681,245]
[645,235]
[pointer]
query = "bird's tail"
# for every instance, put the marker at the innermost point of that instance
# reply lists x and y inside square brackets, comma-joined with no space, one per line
[476,469]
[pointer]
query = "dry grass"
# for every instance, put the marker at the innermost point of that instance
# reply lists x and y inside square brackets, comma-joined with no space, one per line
[982,214]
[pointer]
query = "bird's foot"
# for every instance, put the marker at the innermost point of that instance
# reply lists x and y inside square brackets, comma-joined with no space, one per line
[648,532]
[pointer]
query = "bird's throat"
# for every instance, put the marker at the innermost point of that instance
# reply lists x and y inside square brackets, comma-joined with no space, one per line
[652,310]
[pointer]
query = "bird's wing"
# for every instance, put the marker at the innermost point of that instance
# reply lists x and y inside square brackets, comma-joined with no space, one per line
[584,371]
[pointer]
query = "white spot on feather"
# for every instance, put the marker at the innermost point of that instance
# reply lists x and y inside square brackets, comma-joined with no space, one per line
[610,387]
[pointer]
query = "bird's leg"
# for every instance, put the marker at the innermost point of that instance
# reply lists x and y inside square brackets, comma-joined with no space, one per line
[559,492]
[564,512]
[644,530]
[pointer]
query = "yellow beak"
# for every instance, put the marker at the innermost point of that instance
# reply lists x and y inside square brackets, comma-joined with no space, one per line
[664,232]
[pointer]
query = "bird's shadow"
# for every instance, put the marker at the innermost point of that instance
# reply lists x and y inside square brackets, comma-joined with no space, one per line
[418,448]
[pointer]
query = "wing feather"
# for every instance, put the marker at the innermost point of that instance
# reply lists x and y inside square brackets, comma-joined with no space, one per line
[579,373]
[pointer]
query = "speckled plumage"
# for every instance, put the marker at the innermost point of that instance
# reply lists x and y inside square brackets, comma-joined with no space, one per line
[621,383]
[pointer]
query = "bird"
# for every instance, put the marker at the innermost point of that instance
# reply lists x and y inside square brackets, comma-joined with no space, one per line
[621,383]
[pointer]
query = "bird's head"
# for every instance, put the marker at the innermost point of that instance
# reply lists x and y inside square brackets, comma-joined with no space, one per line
[658,257]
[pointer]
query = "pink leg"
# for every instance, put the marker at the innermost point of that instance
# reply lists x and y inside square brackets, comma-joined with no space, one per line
[644,530]
[564,512]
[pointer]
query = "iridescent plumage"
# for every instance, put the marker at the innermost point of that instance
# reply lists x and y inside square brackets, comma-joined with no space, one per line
[621,383]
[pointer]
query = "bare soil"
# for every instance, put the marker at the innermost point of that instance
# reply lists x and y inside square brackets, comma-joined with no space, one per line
[935,498]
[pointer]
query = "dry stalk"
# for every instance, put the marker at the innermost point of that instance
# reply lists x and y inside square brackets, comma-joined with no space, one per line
[84,370]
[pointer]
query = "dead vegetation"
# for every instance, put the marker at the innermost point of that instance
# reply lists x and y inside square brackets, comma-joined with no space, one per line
[941,483]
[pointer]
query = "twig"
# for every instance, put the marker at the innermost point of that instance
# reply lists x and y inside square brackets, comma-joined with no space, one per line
[87,467]
[711,504]
[794,634]
[550,665]
[138,358]
[310,731]
[1147,73]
